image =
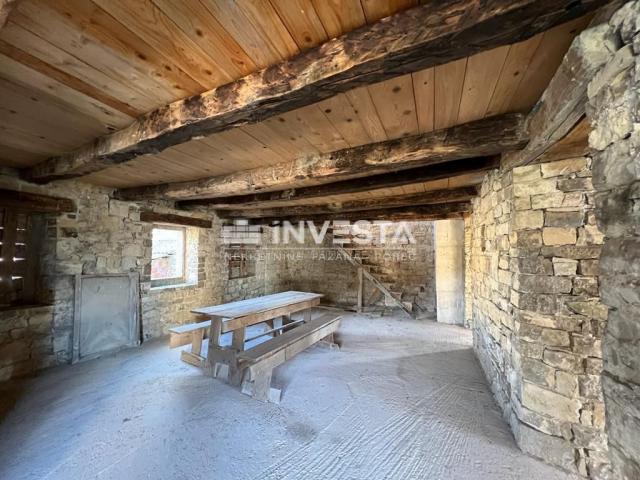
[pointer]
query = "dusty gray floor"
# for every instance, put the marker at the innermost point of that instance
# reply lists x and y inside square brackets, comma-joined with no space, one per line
[401,400]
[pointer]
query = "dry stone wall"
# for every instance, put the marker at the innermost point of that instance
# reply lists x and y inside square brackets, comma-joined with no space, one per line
[537,315]
[103,236]
[321,268]
[615,115]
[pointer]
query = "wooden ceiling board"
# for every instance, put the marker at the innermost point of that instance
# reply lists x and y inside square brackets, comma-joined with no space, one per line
[193,18]
[94,21]
[546,60]
[257,28]
[302,22]
[375,10]
[424,94]
[345,118]
[100,63]
[515,65]
[362,104]
[396,106]
[39,20]
[482,74]
[154,27]
[339,16]
[110,118]
[449,81]
[49,54]
[316,128]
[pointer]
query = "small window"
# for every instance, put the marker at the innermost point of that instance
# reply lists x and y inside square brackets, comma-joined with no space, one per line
[168,256]
[20,240]
[242,262]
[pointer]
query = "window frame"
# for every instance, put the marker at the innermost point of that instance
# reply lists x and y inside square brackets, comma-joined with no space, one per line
[246,269]
[27,269]
[167,282]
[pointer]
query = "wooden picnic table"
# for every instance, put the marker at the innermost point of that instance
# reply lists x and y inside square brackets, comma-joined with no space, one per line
[235,317]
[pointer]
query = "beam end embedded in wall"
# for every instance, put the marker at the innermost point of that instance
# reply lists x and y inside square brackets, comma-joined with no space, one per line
[35,202]
[171,218]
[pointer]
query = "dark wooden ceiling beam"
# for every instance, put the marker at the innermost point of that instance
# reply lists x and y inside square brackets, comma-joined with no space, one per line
[151,216]
[468,166]
[489,136]
[413,213]
[421,37]
[36,203]
[463,194]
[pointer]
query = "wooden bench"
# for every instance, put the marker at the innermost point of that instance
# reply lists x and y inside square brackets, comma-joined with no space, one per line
[194,334]
[258,362]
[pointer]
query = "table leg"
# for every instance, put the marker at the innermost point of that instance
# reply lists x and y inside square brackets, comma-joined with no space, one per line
[307,315]
[238,339]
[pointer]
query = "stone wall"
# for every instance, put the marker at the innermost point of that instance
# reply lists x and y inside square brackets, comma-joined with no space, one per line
[105,236]
[321,268]
[615,116]
[537,316]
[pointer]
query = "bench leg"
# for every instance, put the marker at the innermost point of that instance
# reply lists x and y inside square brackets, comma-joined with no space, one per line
[196,341]
[307,315]
[260,388]
[329,341]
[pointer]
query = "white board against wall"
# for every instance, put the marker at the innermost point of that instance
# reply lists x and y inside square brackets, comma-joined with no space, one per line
[106,314]
[449,250]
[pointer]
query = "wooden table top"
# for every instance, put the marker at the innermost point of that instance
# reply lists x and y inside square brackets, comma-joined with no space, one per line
[252,306]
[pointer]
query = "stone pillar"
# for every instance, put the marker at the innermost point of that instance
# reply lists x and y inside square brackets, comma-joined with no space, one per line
[449,248]
[615,116]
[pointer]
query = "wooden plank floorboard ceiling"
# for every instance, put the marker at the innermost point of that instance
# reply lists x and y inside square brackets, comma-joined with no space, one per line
[73,70]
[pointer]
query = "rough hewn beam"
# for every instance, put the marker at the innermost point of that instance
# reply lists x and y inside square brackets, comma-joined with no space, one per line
[359,185]
[425,198]
[421,212]
[174,219]
[31,202]
[489,136]
[424,36]
[563,103]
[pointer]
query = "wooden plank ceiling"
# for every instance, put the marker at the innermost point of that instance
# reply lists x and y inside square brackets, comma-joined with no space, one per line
[74,70]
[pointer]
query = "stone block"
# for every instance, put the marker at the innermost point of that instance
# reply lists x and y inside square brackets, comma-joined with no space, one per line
[564,266]
[539,187]
[557,199]
[522,203]
[591,309]
[535,371]
[542,284]
[566,384]
[554,338]
[572,251]
[529,239]
[563,360]
[563,167]
[582,184]
[118,208]
[564,219]
[589,437]
[589,268]
[590,235]
[533,265]
[550,403]
[587,286]
[559,236]
[528,219]
[590,386]
[552,449]
[527,173]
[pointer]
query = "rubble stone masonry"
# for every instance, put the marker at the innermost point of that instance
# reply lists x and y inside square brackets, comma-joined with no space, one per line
[537,315]
[615,116]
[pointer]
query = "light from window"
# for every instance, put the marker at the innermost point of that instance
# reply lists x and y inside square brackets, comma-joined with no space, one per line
[168,253]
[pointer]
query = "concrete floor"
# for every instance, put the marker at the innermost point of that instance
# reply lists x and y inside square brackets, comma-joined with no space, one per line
[401,400]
